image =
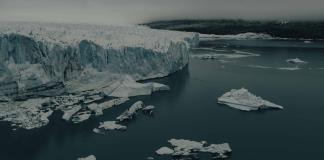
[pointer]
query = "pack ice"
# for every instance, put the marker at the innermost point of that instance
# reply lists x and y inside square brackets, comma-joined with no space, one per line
[50,60]
[242,99]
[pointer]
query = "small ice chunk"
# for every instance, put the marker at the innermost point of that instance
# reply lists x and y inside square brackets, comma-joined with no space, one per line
[109,125]
[307,42]
[148,109]
[91,157]
[220,149]
[129,113]
[185,147]
[150,158]
[244,100]
[296,61]
[290,68]
[164,151]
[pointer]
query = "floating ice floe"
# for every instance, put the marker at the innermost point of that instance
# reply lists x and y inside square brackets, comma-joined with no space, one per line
[289,68]
[259,66]
[296,61]
[130,113]
[242,99]
[130,88]
[148,109]
[164,151]
[307,42]
[187,148]
[91,157]
[108,126]
[236,54]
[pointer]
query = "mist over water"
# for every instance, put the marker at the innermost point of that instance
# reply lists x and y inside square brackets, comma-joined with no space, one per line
[138,11]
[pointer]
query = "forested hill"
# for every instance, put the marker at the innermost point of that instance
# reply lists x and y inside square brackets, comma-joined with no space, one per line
[283,29]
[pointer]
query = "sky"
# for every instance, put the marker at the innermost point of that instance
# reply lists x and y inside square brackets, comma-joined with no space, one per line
[139,11]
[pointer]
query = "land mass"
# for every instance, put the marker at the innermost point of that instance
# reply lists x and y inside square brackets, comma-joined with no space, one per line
[283,29]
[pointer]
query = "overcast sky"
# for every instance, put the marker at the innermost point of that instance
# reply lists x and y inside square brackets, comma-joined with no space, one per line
[137,11]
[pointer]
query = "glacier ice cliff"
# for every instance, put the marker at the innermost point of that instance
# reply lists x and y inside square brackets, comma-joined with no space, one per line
[34,54]
[75,64]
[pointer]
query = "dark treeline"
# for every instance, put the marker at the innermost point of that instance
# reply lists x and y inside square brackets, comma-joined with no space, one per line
[283,29]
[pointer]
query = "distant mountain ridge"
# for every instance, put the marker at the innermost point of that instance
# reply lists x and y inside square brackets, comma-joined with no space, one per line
[283,29]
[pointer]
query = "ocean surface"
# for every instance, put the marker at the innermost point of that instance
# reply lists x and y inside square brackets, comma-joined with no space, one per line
[190,110]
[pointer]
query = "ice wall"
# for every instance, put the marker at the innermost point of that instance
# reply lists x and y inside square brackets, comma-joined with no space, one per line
[34,54]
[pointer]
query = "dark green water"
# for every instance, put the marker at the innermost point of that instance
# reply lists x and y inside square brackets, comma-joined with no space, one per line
[190,111]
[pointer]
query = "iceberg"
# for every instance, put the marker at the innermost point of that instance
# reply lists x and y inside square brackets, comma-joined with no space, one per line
[148,109]
[187,148]
[242,99]
[164,151]
[109,125]
[130,113]
[296,61]
[91,157]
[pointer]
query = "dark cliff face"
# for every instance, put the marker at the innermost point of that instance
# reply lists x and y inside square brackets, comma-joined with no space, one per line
[283,29]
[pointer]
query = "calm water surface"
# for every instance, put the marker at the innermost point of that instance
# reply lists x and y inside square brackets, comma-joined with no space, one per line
[190,111]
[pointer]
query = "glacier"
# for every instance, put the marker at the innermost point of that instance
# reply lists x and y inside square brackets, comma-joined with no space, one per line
[76,65]
[33,54]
